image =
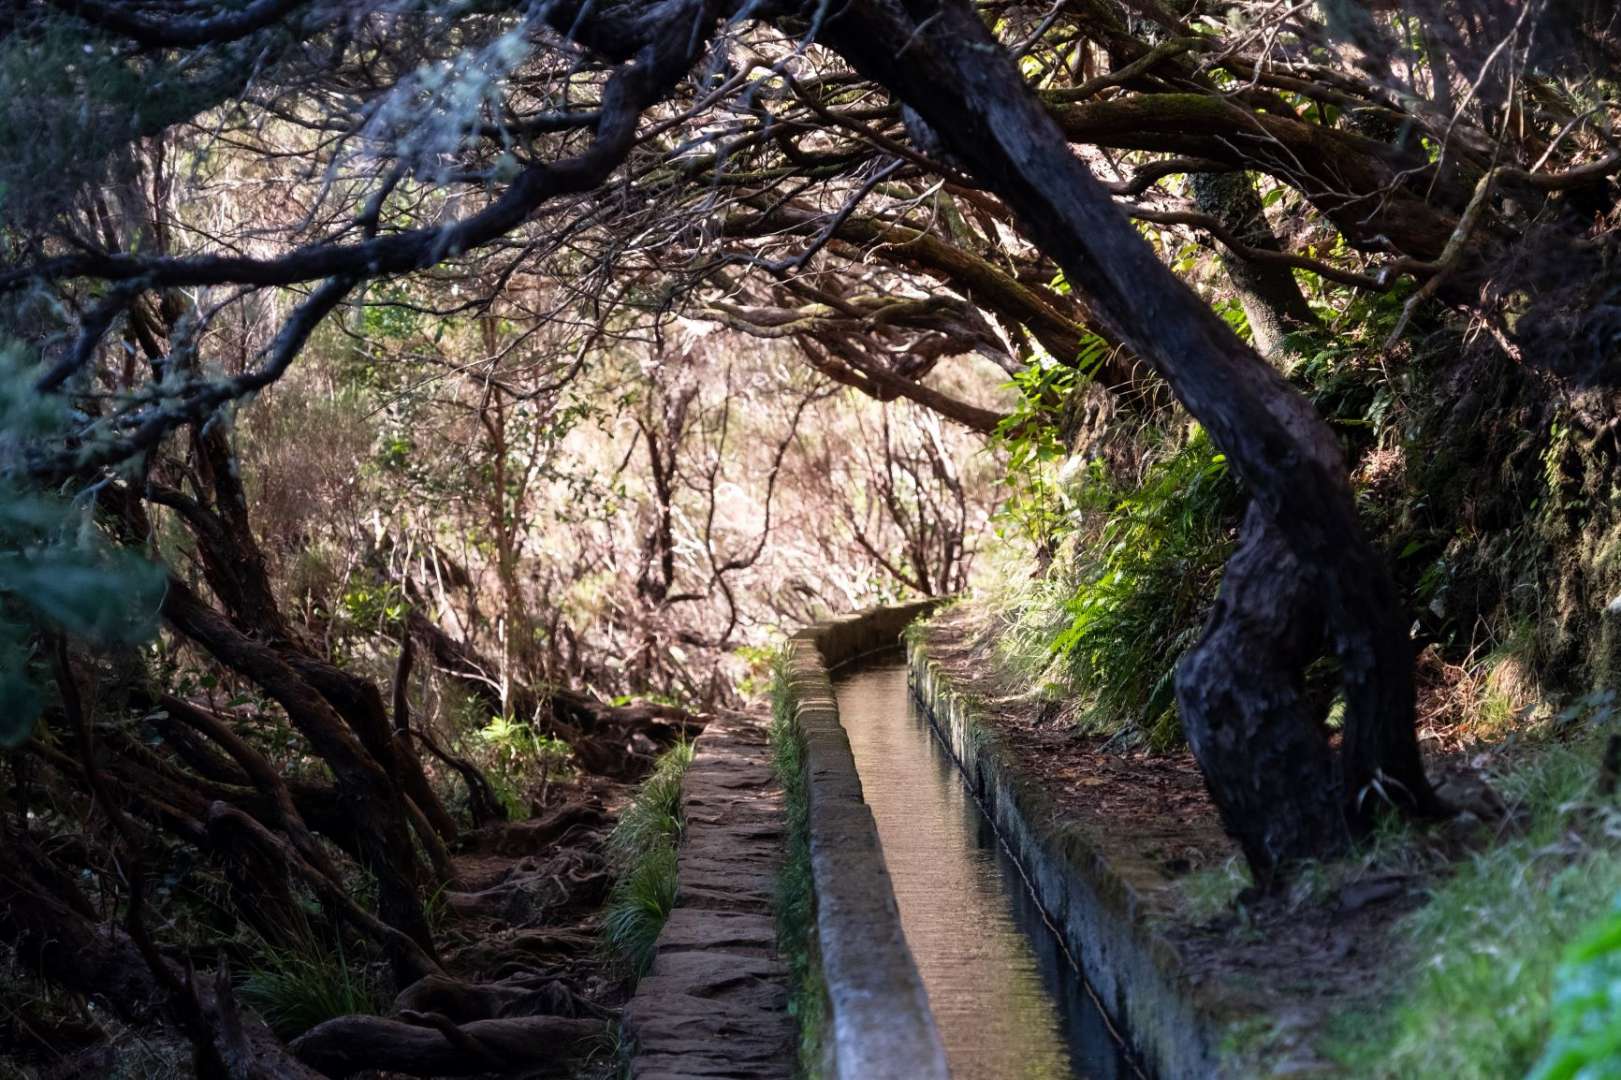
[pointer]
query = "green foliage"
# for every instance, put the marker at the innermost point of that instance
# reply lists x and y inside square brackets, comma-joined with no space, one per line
[58,572]
[761,661]
[1482,955]
[1586,1038]
[796,894]
[515,755]
[1146,580]
[642,848]
[653,819]
[641,901]
[295,988]
[1029,437]
[374,604]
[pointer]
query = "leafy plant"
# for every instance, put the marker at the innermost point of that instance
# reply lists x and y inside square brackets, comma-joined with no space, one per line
[58,572]
[1145,581]
[1586,1039]
[517,759]
[1030,437]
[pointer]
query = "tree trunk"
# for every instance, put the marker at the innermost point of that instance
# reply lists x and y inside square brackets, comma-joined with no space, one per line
[1271,297]
[943,62]
[370,796]
[236,570]
[1241,692]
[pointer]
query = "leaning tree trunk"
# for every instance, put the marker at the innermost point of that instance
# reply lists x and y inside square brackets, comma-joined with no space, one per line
[1250,666]
[942,61]
[1271,296]
[370,797]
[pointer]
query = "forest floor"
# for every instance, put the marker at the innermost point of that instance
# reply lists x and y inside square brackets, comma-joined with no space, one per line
[1289,969]
[524,969]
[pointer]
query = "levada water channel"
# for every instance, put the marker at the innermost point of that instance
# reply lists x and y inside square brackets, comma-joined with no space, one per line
[1009,1003]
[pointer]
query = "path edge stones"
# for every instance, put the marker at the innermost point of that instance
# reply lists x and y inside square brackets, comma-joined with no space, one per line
[879,1023]
[715,1002]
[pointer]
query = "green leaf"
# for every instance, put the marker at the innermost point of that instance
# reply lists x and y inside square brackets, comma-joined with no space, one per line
[110,600]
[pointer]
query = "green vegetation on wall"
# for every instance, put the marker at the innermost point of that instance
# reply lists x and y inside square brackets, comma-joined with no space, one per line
[796,895]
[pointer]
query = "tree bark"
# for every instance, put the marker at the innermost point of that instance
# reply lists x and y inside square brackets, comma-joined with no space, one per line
[371,797]
[1271,297]
[1241,693]
[236,570]
[538,1045]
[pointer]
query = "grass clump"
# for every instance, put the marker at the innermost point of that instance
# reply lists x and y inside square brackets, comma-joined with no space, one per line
[640,903]
[642,848]
[796,895]
[1213,892]
[300,986]
[1477,1001]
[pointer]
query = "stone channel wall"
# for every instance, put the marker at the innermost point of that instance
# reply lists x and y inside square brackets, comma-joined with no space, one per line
[1136,974]
[879,1023]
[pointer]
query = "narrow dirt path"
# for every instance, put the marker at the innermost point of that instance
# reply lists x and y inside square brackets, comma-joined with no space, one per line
[716,1001]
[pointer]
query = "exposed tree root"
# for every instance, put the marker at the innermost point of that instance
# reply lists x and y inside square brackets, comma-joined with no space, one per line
[538,1045]
[516,997]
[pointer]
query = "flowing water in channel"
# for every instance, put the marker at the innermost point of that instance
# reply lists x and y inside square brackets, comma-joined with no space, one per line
[1008,1004]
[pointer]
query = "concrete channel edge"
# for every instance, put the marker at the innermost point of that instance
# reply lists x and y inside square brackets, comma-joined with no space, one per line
[1135,974]
[879,1023]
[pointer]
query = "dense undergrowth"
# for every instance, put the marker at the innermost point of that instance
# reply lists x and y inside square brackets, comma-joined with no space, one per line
[1497,512]
[796,900]
[1128,589]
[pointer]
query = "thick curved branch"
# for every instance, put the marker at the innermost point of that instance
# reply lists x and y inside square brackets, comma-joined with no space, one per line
[632,87]
[172,31]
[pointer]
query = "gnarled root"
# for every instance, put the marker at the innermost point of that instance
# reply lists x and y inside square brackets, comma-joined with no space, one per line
[539,1045]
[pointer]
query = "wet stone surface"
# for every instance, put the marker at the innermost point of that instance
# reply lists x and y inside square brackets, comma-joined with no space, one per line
[715,1003]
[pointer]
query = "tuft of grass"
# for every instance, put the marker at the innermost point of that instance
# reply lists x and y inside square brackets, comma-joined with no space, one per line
[640,903]
[295,988]
[642,848]
[1213,892]
[1474,999]
[654,817]
[796,893]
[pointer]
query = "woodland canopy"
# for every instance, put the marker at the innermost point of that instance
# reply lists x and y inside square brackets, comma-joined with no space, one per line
[405,403]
